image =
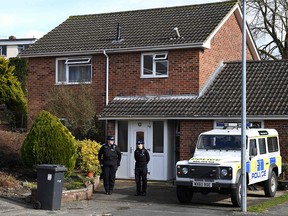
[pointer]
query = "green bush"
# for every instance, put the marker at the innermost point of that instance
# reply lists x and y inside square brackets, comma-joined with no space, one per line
[11,95]
[20,71]
[49,142]
[88,156]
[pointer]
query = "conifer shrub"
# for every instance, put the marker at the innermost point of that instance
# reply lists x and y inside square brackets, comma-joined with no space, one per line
[49,142]
[12,95]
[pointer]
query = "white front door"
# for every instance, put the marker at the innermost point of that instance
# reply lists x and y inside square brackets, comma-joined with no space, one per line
[156,144]
[139,131]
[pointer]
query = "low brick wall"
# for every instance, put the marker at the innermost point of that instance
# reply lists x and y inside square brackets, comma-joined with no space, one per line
[78,194]
[73,195]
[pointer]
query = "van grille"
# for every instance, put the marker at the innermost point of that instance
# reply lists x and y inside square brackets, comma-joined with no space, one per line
[203,172]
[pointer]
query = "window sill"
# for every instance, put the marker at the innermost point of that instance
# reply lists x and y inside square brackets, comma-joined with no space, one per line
[73,83]
[145,77]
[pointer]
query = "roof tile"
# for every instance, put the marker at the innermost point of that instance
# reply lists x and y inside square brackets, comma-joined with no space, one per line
[139,28]
[267,88]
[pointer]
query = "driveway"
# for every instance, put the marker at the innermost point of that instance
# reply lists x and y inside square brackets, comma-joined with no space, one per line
[161,200]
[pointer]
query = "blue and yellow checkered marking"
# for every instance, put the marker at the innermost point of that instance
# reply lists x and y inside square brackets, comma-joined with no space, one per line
[258,168]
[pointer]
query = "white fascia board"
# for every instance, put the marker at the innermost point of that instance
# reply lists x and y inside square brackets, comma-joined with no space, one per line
[193,118]
[17,42]
[121,50]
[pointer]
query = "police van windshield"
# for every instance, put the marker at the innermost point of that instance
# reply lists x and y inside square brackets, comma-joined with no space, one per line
[222,142]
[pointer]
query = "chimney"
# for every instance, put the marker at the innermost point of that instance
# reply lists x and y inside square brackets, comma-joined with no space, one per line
[12,37]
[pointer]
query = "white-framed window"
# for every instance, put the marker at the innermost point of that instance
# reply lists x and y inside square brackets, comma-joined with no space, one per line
[21,48]
[154,65]
[73,70]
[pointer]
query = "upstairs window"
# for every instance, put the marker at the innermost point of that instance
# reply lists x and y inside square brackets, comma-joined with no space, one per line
[3,50]
[154,65]
[73,70]
[21,48]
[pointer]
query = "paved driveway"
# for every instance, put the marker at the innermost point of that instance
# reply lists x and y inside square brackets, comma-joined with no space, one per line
[161,200]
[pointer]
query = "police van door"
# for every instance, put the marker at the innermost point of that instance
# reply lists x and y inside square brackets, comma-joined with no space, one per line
[140,131]
[258,165]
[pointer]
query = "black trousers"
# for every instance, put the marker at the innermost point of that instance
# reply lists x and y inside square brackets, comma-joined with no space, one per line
[141,179]
[109,172]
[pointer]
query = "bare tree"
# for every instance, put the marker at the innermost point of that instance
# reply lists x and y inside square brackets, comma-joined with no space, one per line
[268,21]
[76,108]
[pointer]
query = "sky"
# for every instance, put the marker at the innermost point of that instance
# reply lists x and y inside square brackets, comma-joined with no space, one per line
[35,18]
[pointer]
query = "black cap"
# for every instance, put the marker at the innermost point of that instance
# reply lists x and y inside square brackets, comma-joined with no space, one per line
[110,138]
[140,142]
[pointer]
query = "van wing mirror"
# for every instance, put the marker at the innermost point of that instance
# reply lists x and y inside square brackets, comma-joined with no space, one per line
[192,151]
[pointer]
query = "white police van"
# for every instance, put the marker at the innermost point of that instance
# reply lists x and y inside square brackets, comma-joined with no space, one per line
[215,165]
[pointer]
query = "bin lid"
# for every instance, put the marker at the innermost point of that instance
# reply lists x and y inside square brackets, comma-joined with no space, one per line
[52,167]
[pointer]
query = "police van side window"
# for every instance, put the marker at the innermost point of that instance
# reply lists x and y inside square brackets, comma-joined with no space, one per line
[272,144]
[262,145]
[252,146]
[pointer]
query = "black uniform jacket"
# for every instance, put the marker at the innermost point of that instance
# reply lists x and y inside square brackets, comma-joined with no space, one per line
[109,155]
[142,157]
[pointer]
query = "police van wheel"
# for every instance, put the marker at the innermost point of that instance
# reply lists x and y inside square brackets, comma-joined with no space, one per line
[184,194]
[270,185]
[236,195]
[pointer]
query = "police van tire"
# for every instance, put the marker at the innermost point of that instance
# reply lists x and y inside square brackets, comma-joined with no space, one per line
[184,194]
[270,185]
[236,195]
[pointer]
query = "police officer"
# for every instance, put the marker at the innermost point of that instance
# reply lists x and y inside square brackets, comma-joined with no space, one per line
[142,158]
[109,157]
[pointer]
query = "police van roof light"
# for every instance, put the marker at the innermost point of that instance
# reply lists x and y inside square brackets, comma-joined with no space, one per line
[231,124]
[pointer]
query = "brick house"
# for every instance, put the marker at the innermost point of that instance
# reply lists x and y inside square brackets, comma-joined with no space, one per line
[157,75]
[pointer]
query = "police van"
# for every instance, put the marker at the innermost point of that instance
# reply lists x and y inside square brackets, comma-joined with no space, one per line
[216,163]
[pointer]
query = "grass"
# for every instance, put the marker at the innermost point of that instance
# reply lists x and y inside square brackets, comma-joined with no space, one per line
[260,208]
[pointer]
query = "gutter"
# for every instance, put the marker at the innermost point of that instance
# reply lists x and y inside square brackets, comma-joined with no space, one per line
[117,50]
[107,77]
[167,117]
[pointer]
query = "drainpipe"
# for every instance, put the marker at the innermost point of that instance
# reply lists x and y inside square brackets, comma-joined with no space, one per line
[107,77]
[107,88]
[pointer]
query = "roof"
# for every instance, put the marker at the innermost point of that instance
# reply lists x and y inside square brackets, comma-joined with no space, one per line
[139,29]
[267,90]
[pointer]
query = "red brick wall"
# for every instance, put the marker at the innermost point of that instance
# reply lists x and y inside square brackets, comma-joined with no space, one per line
[124,78]
[41,77]
[111,128]
[189,132]
[226,45]
[125,75]
[282,128]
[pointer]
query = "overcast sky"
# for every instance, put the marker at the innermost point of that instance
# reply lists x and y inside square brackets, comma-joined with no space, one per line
[34,18]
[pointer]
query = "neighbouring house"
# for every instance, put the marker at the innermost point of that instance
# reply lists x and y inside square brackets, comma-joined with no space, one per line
[162,75]
[12,46]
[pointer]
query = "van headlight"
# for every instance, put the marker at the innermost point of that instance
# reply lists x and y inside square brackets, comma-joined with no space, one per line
[182,171]
[226,172]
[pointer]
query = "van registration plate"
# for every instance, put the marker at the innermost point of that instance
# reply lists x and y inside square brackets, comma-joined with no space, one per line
[202,184]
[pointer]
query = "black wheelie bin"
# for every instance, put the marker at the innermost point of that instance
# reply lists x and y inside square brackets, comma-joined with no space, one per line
[50,180]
